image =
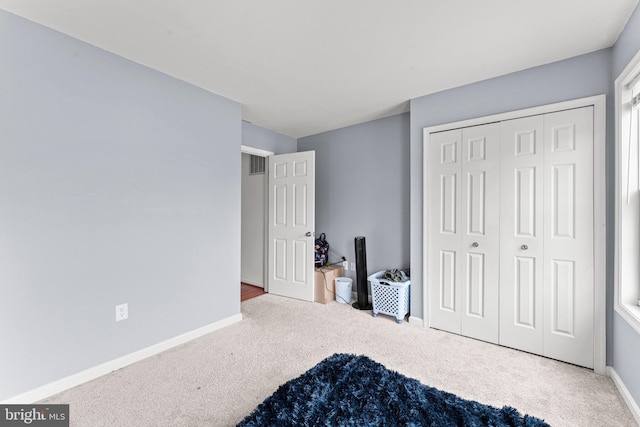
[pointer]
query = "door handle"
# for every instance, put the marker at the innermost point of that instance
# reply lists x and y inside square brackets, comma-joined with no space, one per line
[309,234]
[475,244]
[524,247]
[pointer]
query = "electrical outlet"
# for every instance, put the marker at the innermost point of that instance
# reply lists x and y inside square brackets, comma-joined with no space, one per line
[353,266]
[122,312]
[345,265]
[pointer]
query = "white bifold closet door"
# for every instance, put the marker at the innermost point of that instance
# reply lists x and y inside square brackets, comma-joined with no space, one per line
[546,247]
[521,239]
[466,231]
[511,233]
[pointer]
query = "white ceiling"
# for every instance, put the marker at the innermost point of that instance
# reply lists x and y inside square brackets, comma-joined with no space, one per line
[300,67]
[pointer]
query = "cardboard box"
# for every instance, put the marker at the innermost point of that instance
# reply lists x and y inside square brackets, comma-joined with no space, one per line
[325,294]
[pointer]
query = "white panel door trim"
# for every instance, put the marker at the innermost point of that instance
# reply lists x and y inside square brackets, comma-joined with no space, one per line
[599,201]
[255,151]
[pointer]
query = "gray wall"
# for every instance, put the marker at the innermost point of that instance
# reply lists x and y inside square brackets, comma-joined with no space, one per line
[362,189]
[117,184]
[265,139]
[625,340]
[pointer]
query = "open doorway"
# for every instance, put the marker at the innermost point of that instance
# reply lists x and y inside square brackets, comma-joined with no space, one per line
[277,253]
[253,222]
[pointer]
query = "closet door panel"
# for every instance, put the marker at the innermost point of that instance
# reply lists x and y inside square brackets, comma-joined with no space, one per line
[480,240]
[568,239]
[444,229]
[521,238]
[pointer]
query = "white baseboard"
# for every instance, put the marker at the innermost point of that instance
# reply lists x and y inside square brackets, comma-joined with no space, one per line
[417,321]
[633,406]
[97,371]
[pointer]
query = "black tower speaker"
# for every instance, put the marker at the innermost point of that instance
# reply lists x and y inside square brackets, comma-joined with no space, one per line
[361,275]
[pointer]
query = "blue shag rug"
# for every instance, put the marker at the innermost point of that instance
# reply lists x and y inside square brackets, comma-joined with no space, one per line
[348,390]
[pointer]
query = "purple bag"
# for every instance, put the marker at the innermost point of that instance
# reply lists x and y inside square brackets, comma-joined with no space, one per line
[322,250]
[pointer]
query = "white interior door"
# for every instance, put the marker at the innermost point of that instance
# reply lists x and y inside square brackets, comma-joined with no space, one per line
[568,236]
[464,237]
[444,224]
[291,225]
[547,275]
[521,236]
[480,265]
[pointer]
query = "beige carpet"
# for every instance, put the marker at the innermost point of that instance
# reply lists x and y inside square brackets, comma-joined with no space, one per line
[218,379]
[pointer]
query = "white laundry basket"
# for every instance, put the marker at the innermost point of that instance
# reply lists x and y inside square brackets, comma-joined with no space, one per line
[343,289]
[391,298]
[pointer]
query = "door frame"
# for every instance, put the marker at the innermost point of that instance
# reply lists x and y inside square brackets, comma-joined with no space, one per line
[599,207]
[245,149]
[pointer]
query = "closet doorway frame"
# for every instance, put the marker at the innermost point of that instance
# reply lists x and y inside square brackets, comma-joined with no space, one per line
[599,207]
[245,149]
